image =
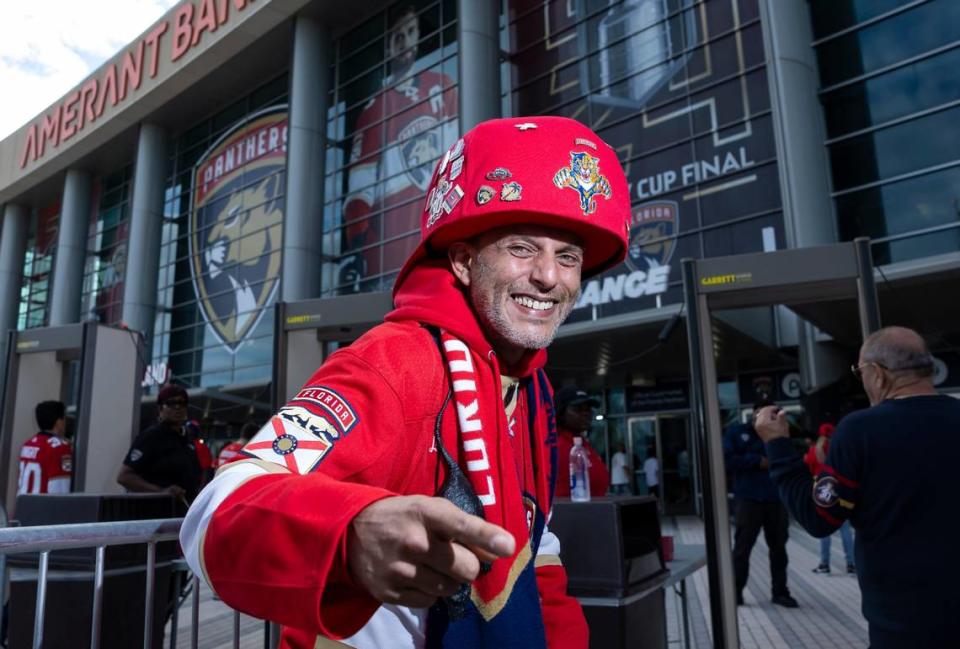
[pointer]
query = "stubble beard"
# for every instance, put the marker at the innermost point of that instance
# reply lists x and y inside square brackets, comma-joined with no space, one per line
[491,309]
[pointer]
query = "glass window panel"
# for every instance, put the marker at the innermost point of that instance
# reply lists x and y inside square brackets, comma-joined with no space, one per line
[900,207]
[922,85]
[831,16]
[908,34]
[924,142]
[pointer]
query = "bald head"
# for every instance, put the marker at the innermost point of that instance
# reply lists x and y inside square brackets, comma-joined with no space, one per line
[898,350]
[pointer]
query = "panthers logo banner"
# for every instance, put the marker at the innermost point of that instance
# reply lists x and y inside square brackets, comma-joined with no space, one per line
[653,229]
[236,226]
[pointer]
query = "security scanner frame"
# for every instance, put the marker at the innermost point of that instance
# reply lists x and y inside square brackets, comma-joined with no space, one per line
[801,279]
[307,331]
[107,386]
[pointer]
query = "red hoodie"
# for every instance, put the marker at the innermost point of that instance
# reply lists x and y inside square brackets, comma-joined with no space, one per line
[269,533]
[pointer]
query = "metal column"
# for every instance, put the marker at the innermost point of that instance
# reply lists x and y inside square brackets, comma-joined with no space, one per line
[479,39]
[867,304]
[71,249]
[706,417]
[13,248]
[146,227]
[306,151]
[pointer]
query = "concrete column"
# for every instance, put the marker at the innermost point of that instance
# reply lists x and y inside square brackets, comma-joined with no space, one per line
[71,249]
[479,38]
[804,166]
[306,156]
[13,248]
[146,223]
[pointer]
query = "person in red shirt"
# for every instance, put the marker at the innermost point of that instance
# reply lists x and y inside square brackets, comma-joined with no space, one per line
[574,416]
[233,451]
[46,459]
[400,498]
[814,459]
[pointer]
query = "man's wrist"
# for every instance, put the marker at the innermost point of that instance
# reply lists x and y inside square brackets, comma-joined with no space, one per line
[779,447]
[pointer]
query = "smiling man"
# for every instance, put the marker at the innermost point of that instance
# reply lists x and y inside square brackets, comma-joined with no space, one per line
[400,499]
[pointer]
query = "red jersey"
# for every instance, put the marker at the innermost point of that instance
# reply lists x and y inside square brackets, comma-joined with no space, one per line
[230,453]
[399,136]
[46,465]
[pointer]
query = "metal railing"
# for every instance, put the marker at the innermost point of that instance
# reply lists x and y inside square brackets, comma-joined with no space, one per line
[46,538]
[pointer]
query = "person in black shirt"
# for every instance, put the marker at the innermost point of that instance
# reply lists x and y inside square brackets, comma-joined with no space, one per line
[163,457]
[757,506]
[890,470]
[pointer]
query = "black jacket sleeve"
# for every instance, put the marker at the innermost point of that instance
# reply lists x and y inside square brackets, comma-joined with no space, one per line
[823,503]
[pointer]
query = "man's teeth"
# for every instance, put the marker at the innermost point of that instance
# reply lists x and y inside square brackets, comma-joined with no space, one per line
[530,303]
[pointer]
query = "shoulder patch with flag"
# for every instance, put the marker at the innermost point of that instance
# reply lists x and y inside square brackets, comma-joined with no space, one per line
[295,439]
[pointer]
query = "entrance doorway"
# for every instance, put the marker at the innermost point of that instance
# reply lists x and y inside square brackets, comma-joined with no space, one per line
[666,439]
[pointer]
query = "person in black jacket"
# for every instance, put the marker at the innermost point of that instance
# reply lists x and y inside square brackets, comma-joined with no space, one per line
[757,506]
[891,470]
[163,457]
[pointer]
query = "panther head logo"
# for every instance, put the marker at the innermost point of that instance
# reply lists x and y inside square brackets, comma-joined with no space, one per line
[236,237]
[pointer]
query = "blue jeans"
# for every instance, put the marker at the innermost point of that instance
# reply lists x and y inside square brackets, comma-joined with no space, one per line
[846,537]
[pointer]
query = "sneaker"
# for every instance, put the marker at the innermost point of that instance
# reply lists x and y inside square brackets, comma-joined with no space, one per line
[786,601]
[851,569]
[823,569]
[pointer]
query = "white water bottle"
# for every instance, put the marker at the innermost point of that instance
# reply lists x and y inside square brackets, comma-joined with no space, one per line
[579,472]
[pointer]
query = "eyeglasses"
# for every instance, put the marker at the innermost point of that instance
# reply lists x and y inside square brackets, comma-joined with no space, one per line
[857,370]
[175,403]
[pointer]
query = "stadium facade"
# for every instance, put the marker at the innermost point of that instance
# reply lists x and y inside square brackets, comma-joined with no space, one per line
[242,152]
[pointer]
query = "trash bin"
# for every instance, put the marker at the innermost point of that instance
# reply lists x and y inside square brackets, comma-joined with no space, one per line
[70,574]
[613,557]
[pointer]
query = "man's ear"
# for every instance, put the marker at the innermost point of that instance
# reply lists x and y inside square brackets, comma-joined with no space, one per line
[460,255]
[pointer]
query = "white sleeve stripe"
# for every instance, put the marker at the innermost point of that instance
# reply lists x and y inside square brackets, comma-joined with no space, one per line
[201,511]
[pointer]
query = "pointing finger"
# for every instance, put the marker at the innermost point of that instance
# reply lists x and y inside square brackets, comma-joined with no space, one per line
[445,520]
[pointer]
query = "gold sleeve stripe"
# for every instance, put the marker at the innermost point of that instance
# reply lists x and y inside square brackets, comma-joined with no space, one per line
[327,643]
[547,560]
[845,503]
[269,467]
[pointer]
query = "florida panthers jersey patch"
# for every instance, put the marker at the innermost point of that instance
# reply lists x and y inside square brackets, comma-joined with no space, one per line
[285,442]
[321,400]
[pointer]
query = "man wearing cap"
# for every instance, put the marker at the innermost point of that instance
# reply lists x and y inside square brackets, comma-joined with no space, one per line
[574,416]
[163,456]
[400,499]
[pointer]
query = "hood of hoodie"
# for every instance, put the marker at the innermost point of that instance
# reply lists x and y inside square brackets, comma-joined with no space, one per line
[431,294]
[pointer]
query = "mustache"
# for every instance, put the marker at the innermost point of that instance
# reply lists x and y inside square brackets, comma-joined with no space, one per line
[558,295]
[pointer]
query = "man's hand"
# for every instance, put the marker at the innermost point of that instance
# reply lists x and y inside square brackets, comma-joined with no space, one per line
[764,462]
[176,491]
[770,423]
[410,550]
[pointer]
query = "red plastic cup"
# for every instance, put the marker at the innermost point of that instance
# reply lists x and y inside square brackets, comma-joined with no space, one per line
[666,543]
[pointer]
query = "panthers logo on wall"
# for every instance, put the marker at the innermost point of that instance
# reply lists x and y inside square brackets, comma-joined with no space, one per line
[653,229]
[236,226]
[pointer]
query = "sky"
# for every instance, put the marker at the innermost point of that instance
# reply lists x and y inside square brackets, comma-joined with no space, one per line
[49,46]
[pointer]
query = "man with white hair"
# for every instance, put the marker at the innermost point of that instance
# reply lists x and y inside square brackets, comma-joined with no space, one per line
[890,470]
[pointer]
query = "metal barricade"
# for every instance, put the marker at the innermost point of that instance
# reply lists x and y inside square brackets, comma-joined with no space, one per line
[47,538]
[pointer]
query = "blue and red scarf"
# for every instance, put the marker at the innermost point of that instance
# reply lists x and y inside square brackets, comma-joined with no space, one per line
[503,609]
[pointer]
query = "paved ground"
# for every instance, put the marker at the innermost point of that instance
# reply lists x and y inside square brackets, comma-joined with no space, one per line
[829,614]
[828,617]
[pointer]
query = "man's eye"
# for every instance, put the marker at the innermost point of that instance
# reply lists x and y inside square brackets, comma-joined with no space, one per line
[569,260]
[521,251]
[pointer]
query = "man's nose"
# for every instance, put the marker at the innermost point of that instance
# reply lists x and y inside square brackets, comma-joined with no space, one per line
[545,272]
